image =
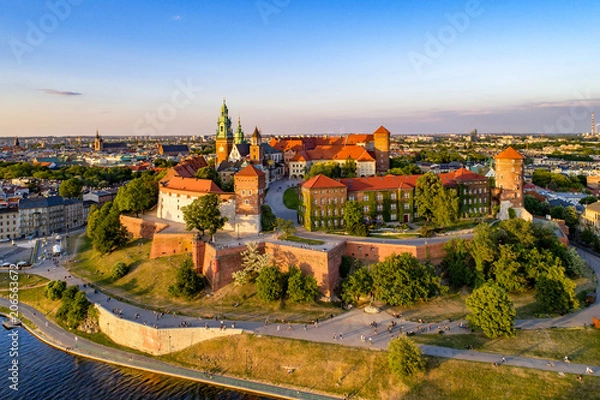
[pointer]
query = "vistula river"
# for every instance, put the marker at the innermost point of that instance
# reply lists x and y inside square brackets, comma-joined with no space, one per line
[49,374]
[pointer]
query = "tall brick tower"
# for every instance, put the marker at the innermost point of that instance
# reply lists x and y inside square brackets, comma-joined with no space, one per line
[249,189]
[98,142]
[256,149]
[509,177]
[381,139]
[224,140]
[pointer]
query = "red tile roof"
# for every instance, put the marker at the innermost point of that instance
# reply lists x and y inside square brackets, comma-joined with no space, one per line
[461,174]
[192,185]
[510,154]
[188,168]
[250,170]
[381,129]
[322,181]
[388,182]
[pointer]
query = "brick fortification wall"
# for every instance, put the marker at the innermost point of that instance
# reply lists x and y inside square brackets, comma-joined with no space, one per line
[170,244]
[139,228]
[375,252]
[155,341]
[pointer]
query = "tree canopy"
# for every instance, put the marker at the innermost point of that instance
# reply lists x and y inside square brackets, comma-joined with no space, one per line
[204,214]
[72,188]
[136,196]
[354,219]
[269,286]
[105,229]
[301,288]
[188,283]
[405,358]
[435,203]
[403,280]
[491,310]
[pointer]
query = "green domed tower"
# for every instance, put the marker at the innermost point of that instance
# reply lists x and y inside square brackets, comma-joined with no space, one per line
[238,136]
[224,141]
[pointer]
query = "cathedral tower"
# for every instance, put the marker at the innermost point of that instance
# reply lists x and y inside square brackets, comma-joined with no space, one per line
[238,136]
[98,142]
[224,140]
[256,149]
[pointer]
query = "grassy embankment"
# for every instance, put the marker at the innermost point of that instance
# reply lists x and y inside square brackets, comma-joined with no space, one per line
[339,369]
[149,279]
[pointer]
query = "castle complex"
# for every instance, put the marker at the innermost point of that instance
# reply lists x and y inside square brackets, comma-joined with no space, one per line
[384,199]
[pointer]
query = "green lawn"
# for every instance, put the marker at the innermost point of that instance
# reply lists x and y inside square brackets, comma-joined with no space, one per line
[290,198]
[582,345]
[148,282]
[342,370]
[298,239]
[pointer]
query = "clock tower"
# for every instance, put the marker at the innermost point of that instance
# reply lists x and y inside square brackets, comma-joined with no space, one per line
[224,140]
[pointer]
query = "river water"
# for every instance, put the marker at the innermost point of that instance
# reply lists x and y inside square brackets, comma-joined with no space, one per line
[48,374]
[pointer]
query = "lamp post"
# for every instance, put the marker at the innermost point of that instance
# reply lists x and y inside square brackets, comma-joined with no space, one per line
[246,360]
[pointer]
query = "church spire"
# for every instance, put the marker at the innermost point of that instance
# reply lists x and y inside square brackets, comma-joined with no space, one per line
[238,137]
[224,123]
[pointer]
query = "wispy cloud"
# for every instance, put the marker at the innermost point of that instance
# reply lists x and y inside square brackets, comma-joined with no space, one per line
[61,92]
[176,17]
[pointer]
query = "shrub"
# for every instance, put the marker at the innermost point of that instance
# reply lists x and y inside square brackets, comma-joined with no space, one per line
[54,289]
[119,270]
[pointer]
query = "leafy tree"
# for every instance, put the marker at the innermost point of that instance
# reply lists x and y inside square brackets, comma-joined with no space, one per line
[575,265]
[105,229]
[403,280]
[507,270]
[301,288]
[54,289]
[204,214]
[588,200]
[458,264]
[535,207]
[405,357]
[359,283]
[491,310]
[354,219]
[211,174]
[285,227]
[556,292]
[348,169]
[588,236]
[446,206]
[330,168]
[267,218]
[119,270]
[71,188]
[74,307]
[269,285]
[484,251]
[557,212]
[427,190]
[136,196]
[188,283]
[253,262]
[571,218]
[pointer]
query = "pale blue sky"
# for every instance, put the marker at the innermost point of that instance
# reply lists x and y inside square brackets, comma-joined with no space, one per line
[292,66]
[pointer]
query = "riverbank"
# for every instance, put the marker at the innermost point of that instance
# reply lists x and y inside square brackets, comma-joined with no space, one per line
[55,336]
[362,372]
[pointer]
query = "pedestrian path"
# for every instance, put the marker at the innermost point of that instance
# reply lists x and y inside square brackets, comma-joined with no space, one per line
[66,341]
[353,328]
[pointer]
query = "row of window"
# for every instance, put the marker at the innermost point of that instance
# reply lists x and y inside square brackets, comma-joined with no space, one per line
[367,208]
[379,197]
[328,201]
[329,213]
[477,200]
[475,191]
[324,223]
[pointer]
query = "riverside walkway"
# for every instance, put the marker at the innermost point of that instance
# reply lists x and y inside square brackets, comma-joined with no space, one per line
[57,337]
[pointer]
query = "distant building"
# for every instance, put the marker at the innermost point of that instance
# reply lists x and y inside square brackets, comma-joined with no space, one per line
[173,150]
[101,146]
[591,217]
[41,216]
[9,223]
[100,196]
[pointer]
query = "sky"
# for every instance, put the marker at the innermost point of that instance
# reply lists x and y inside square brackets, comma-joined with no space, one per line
[125,68]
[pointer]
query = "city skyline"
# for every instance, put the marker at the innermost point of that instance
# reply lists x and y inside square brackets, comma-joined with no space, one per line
[291,68]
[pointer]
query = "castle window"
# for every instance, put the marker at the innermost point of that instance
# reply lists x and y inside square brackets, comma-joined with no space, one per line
[247,202]
[366,209]
[329,201]
[393,217]
[365,198]
[406,206]
[322,201]
[243,192]
[393,206]
[406,195]
[335,200]
[316,213]
[249,192]
[379,196]
[393,196]
[379,207]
